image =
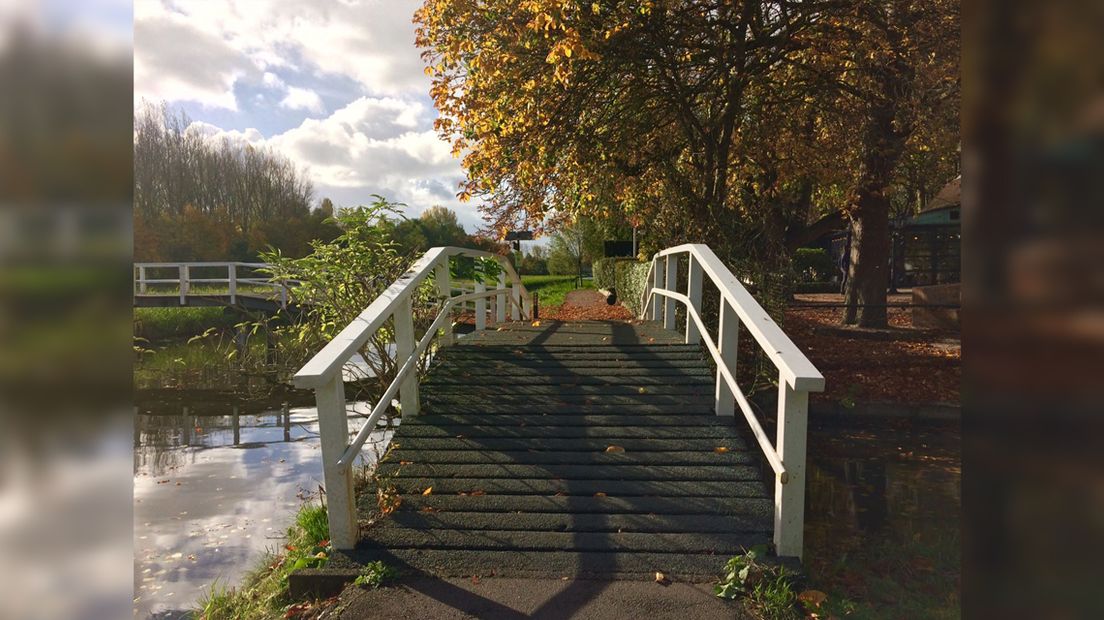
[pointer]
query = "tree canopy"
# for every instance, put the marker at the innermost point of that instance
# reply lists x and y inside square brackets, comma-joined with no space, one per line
[197,198]
[733,123]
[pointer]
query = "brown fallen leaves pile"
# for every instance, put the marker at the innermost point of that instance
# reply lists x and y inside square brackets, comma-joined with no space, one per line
[916,366]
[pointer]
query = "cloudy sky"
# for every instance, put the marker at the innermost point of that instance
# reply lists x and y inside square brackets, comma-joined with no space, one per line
[336,85]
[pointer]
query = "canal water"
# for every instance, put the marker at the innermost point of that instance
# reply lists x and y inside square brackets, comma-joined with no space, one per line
[213,491]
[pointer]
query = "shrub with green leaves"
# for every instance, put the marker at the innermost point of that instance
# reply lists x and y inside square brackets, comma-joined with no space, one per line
[813,265]
[339,279]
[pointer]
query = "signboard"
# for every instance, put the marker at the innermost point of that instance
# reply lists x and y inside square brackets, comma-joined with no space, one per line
[519,235]
[617,249]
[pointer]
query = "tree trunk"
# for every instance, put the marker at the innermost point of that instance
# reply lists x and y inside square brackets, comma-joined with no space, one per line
[868,270]
[868,276]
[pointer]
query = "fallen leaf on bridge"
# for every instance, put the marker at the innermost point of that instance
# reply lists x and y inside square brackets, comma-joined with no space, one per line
[661,579]
[599,494]
[428,491]
[720,449]
[615,449]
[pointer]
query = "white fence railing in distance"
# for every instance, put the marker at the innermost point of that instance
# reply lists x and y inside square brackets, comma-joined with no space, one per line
[324,372]
[180,277]
[796,374]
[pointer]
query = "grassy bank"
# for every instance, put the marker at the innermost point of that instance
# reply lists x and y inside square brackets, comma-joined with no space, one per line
[552,289]
[264,591]
[157,324]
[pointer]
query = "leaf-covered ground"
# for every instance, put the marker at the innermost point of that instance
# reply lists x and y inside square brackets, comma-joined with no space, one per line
[586,305]
[902,364]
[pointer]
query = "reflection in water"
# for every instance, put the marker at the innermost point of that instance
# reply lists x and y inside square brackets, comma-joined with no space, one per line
[881,491]
[212,493]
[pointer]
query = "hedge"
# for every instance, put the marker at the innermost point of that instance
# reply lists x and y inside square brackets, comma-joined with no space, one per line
[814,265]
[626,275]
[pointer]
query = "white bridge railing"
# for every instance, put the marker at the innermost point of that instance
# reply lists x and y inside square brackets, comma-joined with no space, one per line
[797,375]
[179,276]
[324,372]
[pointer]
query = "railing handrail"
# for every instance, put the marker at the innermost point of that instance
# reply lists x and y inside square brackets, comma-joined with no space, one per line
[324,371]
[333,356]
[794,367]
[796,374]
[201,264]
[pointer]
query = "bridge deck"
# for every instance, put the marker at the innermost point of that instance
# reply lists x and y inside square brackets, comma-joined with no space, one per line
[569,449]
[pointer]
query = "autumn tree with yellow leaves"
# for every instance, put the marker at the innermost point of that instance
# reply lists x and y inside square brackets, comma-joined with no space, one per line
[721,121]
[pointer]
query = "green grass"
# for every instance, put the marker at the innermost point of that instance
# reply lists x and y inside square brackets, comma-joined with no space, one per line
[553,289]
[176,323]
[263,593]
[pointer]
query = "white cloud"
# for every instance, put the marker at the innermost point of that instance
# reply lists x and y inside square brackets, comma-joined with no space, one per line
[272,80]
[371,146]
[177,61]
[380,143]
[302,99]
[196,51]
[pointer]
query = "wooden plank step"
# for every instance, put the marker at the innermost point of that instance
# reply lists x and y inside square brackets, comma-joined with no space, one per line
[578,365]
[574,472]
[580,488]
[536,434]
[503,419]
[568,400]
[533,378]
[541,407]
[611,504]
[729,543]
[636,444]
[628,348]
[600,372]
[595,457]
[569,522]
[492,390]
[471,354]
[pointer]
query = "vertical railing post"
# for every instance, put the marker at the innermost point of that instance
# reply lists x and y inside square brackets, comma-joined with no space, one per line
[183,277]
[404,350]
[694,278]
[142,279]
[283,295]
[500,299]
[480,305]
[333,430]
[728,340]
[444,291]
[658,276]
[789,488]
[527,306]
[670,281]
[515,307]
[232,271]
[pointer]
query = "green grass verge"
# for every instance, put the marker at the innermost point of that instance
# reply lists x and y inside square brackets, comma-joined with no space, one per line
[264,592]
[177,323]
[553,289]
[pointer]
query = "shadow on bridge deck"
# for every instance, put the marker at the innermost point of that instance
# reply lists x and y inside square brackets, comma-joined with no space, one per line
[577,450]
